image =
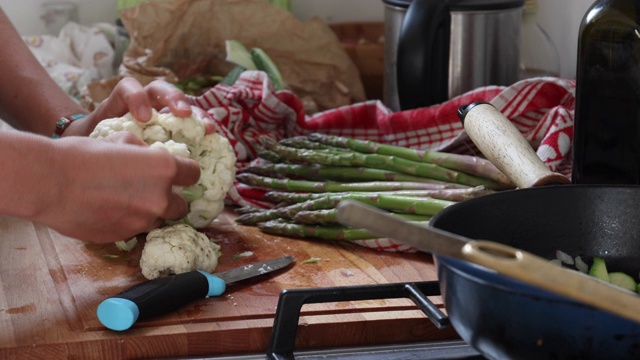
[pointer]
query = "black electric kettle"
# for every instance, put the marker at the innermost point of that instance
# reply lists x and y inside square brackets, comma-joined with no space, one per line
[438,49]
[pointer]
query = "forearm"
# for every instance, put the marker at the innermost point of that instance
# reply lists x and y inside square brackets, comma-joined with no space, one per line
[28,182]
[89,189]
[29,99]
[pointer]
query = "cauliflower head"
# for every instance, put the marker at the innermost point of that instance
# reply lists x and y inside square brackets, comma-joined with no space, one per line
[186,137]
[177,249]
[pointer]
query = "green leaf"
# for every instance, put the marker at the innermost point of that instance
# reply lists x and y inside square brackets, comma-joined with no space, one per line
[238,54]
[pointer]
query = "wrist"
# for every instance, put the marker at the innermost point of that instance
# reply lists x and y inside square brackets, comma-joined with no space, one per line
[64,122]
[30,159]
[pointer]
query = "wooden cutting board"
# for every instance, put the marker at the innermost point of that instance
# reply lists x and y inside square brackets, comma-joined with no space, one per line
[51,285]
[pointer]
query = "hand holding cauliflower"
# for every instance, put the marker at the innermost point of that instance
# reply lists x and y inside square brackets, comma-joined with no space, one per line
[186,137]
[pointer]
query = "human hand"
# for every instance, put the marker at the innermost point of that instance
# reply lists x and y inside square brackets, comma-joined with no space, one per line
[113,189]
[130,96]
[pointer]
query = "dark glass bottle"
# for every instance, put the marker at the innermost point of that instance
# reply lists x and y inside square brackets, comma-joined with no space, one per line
[606,144]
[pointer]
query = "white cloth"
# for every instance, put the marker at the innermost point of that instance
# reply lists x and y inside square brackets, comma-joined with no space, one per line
[76,57]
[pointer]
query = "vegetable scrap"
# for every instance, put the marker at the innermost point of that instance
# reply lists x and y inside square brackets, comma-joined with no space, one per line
[243,254]
[348,273]
[128,245]
[598,269]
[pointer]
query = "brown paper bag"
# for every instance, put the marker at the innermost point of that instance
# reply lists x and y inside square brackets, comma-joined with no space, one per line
[174,39]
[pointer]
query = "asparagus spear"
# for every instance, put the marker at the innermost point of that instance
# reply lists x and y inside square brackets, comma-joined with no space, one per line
[316,217]
[328,217]
[443,194]
[468,164]
[303,142]
[331,186]
[336,173]
[282,228]
[412,205]
[383,162]
[286,212]
[248,210]
[270,156]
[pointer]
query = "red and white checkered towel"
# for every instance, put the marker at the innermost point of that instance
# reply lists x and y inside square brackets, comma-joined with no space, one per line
[541,108]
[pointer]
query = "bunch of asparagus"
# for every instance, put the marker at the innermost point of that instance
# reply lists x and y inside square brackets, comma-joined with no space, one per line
[307,176]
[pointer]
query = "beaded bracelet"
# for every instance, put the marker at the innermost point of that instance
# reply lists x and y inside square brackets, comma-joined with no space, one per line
[64,122]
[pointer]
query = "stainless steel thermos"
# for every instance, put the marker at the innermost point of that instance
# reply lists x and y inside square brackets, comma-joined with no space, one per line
[437,49]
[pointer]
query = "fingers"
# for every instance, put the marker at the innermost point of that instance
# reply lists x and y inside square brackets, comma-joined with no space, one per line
[204,117]
[163,94]
[130,96]
[187,171]
[176,209]
[124,137]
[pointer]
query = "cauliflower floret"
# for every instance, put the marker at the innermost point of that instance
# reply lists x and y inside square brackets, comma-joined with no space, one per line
[155,133]
[177,249]
[172,147]
[110,126]
[186,137]
[181,130]
[201,211]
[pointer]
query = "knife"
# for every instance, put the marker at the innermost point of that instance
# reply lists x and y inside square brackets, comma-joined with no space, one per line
[162,295]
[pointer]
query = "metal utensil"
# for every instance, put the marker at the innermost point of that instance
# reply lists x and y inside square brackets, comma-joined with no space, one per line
[508,261]
[166,294]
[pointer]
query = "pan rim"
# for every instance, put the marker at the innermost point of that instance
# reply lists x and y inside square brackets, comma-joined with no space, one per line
[488,277]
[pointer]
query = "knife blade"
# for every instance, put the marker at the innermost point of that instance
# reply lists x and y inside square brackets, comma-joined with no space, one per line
[162,295]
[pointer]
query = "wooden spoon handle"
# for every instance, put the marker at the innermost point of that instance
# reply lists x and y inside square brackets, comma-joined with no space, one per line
[539,272]
[501,142]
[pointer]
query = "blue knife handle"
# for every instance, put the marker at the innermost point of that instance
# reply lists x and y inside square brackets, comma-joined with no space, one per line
[156,297]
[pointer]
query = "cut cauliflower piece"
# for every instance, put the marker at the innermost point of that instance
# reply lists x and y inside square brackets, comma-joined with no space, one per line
[177,249]
[186,137]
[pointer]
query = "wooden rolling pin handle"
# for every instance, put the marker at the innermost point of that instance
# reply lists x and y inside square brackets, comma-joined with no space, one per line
[501,142]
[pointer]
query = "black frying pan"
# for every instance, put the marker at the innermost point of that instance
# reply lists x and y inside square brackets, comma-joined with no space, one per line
[508,319]
[505,318]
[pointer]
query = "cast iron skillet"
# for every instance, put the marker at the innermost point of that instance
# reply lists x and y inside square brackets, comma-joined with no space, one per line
[504,318]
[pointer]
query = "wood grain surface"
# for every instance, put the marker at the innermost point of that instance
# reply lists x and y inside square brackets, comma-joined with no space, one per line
[51,286]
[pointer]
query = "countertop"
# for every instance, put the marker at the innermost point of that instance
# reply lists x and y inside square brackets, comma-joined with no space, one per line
[51,286]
